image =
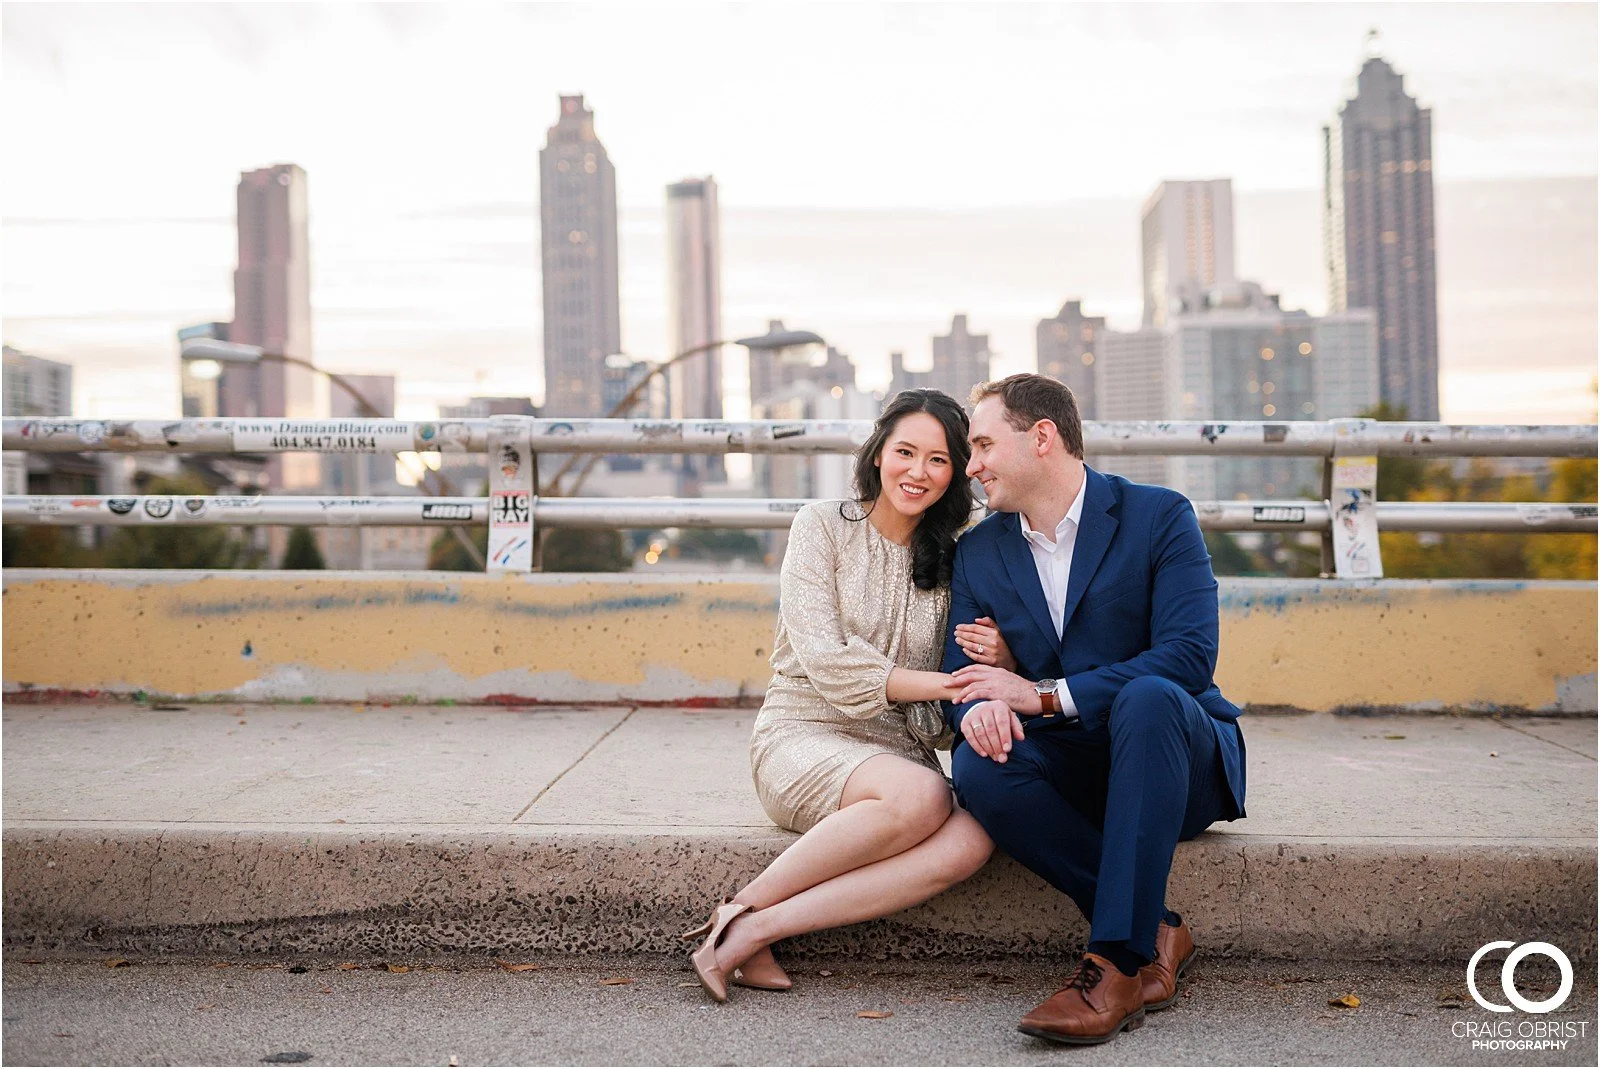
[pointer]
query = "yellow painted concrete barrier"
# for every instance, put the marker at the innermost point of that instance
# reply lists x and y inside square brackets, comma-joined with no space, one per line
[427,637]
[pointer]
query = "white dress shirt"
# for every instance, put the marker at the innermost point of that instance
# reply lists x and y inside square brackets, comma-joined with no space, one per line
[1053,560]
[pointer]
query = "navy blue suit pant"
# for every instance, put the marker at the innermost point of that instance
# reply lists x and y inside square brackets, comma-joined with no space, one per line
[1099,813]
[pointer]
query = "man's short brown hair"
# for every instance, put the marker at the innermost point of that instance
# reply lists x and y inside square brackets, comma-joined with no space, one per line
[1030,398]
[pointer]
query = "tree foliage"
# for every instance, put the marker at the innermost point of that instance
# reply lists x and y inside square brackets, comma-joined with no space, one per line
[302,552]
[178,546]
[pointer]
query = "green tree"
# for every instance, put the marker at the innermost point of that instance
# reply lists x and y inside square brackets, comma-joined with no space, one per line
[302,552]
[585,549]
[1228,557]
[447,554]
[1398,477]
[46,547]
[178,546]
[701,543]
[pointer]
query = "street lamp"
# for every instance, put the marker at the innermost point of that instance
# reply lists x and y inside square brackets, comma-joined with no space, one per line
[203,359]
[798,343]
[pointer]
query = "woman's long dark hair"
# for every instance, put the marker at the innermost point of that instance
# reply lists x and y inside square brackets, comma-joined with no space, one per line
[933,543]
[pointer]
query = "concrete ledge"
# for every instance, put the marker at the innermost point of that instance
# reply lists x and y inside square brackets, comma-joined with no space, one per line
[314,892]
[338,831]
[434,637]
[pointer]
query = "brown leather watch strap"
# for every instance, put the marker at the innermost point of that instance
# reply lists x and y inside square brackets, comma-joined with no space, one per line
[1049,702]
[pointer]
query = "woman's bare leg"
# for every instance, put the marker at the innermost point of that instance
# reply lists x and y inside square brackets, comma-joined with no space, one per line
[889,805]
[957,850]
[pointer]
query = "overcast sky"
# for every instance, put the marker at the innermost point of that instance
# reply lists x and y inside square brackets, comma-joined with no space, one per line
[419,123]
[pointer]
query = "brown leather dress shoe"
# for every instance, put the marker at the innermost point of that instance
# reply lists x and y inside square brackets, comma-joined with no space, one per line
[1174,951]
[1097,1003]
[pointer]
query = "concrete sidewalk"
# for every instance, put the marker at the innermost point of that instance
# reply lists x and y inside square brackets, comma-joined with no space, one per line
[409,830]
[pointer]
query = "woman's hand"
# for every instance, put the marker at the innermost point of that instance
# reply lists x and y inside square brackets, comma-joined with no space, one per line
[983,644]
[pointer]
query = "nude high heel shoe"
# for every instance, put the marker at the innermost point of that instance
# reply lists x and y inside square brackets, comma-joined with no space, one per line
[762,972]
[705,958]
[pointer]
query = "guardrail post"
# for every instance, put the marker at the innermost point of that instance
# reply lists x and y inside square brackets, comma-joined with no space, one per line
[1350,481]
[511,495]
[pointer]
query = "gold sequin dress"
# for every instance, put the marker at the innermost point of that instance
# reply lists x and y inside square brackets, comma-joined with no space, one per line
[848,613]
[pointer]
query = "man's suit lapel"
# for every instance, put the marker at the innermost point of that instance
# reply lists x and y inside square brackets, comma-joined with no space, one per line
[1024,574]
[1096,527]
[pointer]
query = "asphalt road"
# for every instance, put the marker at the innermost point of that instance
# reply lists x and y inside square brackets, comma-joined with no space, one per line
[565,1013]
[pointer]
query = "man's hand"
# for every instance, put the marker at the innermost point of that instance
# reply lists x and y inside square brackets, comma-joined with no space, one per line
[980,681]
[989,728]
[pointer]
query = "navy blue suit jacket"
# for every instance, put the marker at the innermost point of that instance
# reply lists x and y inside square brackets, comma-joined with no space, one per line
[1141,601]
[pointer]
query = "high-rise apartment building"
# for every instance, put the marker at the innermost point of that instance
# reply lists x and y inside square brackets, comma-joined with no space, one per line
[272,310]
[578,242]
[694,309]
[1378,230]
[38,387]
[1187,246]
[1066,348]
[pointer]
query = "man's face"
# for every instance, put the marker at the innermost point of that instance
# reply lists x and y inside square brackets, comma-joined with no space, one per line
[1003,458]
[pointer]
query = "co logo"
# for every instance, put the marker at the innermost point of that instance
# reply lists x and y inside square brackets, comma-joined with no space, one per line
[1508,973]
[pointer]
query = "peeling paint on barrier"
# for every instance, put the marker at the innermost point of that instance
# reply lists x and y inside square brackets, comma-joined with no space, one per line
[524,639]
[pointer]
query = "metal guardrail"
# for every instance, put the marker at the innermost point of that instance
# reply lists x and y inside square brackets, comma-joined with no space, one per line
[772,513]
[1348,517]
[1135,438]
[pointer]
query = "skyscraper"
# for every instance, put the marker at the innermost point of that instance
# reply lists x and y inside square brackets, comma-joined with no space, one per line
[1187,231]
[694,250]
[578,240]
[1240,356]
[1378,230]
[1066,347]
[272,309]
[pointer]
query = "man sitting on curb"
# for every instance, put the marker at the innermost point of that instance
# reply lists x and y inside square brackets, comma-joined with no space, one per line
[1104,593]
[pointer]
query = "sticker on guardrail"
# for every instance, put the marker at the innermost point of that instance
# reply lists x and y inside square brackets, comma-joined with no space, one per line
[1355,518]
[324,436]
[1277,514]
[434,510]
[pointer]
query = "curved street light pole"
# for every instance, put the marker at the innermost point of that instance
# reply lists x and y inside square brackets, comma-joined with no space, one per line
[769,342]
[236,352]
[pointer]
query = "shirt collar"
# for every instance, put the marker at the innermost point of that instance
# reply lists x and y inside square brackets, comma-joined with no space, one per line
[1074,517]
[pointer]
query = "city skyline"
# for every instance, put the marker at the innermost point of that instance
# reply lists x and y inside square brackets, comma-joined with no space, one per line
[375,312]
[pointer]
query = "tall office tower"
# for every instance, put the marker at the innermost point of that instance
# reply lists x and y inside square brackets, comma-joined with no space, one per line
[1247,358]
[1187,230]
[1378,230]
[272,309]
[960,360]
[694,250]
[1066,347]
[1130,372]
[578,239]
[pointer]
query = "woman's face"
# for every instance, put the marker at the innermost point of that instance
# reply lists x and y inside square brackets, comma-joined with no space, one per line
[915,465]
